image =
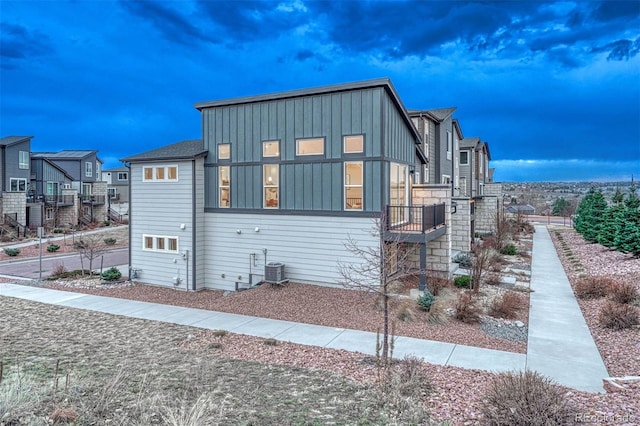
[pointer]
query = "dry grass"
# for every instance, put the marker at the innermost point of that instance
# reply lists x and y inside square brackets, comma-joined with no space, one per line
[467,310]
[618,316]
[592,287]
[507,305]
[623,292]
[406,311]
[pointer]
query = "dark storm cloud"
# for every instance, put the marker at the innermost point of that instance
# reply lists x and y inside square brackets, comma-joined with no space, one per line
[617,10]
[174,26]
[18,43]
[621,49]
[251,20]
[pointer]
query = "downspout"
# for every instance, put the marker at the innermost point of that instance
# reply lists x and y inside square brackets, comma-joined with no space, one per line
[193,227]
[128,166]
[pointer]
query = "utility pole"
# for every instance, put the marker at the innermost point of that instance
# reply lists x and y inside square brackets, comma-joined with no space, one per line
[40,232]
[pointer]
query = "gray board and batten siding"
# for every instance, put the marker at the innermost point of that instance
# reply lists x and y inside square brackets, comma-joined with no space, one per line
[10,147]
[309,184]
[46,171]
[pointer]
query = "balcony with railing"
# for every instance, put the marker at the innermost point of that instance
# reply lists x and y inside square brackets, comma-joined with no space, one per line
[92,199]
[415,223]
[58,200]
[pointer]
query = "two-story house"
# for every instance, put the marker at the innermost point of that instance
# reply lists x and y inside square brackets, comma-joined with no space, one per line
[474,167]
[15,172]
[117,180]
[79,170]
[286,178]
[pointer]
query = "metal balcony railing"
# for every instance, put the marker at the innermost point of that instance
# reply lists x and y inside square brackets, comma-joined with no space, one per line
[415,219]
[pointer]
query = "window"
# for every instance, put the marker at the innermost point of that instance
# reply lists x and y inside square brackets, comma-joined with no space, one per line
[271,148]
[464,158]
[123,176]
[17,185]
[160,243]
[480,161]
[23,161]
[224,191]
[160,173]
[463,186]
[88,169]
[353,144]
[49,213]
[52,188]
[271,186]
[353,185]
[398,192]
[314,146]
[224,151]
[425,174]
[446,179]
[86,188]
[449,143]
[112,192]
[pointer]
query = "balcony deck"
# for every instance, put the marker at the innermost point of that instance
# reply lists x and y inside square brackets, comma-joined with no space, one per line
[415,224]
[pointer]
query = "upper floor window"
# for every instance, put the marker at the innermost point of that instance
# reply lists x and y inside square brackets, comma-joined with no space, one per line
[353,144]
[481,161]
[224,186]
[353,185]
[446,179]
[271,184]
[271,148]
[123,176]
[17,185]
[464,158]
[312,146]
[160,243]
[449,144]
[23,161]
[160,173]
[224,151]
[88,169]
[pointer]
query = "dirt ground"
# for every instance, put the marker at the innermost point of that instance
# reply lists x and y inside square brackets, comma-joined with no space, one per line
[113,370]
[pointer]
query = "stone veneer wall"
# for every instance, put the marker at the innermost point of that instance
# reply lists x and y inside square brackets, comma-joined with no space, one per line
[488,207]
[461,225]
[14,202]
[99,189]
[438,250]
[68,215]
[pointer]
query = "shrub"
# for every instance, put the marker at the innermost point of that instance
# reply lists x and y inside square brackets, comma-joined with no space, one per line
[270,341]
[509,250]
[111,274]
[219,333]
[406,313]
[507,305]
[58,270]
[109,241]
[12,251]
[462,281]
[57,231]
[425,300]
[623,292]
[524,398]
[463,259]
[106,223]
[438,312]
[436,282]
[618,316]
[592,287]
[466,308]
[53,248]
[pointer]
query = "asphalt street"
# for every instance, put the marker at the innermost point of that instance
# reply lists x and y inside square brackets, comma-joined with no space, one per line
[29,268]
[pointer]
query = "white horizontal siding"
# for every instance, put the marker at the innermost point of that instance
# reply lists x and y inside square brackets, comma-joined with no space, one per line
[159,208]
[309,246]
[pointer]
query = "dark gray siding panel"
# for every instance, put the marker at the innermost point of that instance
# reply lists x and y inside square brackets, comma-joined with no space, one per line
[399,141]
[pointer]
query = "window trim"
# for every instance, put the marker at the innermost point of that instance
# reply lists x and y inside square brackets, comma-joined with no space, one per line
[344,144]
[24,182]
[448,177]
[126,174]
[316,154]
[154,243]
[449,144]
[166,173]
[23,163]
[88,169]
[265,186]
[350,185]
[221,186]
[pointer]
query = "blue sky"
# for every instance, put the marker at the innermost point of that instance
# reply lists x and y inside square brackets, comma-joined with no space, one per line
[554,87]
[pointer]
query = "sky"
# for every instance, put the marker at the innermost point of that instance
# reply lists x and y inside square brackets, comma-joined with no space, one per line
[553,87]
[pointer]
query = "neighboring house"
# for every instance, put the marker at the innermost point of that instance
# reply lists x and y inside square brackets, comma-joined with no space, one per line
[15,172]
[525,209]
[52,202]
[474,167]
[440,134]
[117,180]
[287,177]
[83,167]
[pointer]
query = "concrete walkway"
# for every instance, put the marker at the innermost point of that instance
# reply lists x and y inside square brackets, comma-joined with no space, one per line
[560,345]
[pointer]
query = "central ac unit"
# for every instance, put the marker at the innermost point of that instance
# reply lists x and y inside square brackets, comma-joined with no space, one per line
[274,272]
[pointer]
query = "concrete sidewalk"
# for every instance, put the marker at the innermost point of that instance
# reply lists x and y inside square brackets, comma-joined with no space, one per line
[560,346]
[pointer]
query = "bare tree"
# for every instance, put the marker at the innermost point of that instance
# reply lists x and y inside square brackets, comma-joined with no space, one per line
[380,266]
[90,247]
[481,260]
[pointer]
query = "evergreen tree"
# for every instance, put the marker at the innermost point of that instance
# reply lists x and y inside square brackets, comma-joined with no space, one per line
[610,224]
[580,222]
[560,207]
[627,238]
[594,217]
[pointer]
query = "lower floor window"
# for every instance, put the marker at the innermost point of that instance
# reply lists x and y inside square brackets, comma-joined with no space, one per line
[18,185]
[49,214]
[271,185]
[353,185]
[160,243]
